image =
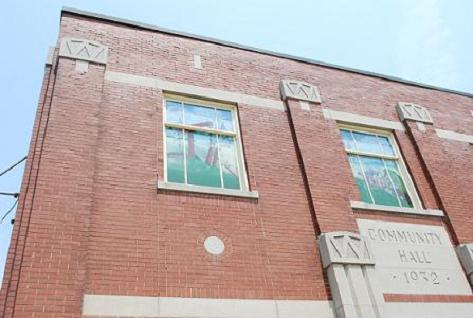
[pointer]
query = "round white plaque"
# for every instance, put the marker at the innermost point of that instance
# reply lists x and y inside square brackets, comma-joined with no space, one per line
[214,245]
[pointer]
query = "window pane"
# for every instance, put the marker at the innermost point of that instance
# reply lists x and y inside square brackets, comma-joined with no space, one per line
[175,155]
[229,164]
[224,120]
[367,143]
[174,112]
[347,140]
[378,181]
[393,170]
[199,116]
[202,159]
[359,178]
[386,145]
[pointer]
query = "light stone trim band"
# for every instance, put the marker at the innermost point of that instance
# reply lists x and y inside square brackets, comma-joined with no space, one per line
[174,307]
[429,310]
[376,207]
[465,254]
[211,93]
[206,190]
[356,119]
[83,49]
[451,135]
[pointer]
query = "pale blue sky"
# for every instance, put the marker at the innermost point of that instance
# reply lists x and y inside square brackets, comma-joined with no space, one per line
[428,41]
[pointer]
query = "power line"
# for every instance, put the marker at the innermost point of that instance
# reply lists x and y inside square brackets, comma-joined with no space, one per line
[12,194]
[8,212]
[13,166]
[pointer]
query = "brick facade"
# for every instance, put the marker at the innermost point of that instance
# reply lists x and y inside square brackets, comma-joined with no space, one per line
[91,221]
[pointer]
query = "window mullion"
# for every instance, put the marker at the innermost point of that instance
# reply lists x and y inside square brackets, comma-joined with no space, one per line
[369,154]
[185,154]
[237,161]
[387,172]
[219,161]
[366,179]
[203,129]
[354,141]
[362,168]
[392,182]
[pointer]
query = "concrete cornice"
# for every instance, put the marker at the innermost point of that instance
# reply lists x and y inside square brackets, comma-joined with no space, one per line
[147,26]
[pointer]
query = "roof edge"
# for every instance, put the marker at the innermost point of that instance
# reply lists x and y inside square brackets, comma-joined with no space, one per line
[152,27]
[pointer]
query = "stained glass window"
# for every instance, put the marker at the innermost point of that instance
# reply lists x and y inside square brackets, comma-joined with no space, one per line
[376,168]
[201,146]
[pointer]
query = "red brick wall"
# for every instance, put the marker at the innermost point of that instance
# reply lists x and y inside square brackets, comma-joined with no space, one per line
[96,224]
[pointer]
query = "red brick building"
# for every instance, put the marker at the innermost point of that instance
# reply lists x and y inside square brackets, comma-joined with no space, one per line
[171,175]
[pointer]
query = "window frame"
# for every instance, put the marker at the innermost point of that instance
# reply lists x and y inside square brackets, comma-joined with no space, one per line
[405,175]
[242,175]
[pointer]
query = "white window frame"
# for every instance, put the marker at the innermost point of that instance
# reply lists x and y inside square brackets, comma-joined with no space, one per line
[243,179]
[405,175]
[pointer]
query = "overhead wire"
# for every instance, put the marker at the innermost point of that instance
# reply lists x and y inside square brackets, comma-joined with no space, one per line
[13,166]
[9,211]
[13,194]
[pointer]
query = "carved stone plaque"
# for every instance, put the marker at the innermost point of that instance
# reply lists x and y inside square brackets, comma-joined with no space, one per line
[414,259]
[344,248]
[83,49]
[300,91]
[414,112]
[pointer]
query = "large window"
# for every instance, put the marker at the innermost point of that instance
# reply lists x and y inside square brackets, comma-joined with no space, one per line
[202,144]
[378,168]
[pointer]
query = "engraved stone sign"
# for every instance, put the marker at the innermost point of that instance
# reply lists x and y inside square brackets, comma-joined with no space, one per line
[414,259]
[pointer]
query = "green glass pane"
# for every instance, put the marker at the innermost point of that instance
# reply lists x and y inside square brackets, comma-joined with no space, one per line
[386,145]
[199,116]
[202,159]
[378,181]
[367,143]
[347,140]
[225,120]
[360,180]
[393,170]
[175,155]
[174,112]
[231,179]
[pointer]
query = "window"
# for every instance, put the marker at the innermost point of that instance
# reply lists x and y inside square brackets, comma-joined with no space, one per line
[378,168]
[202,144]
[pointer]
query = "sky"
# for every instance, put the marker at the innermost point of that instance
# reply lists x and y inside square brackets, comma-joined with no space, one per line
[428,41]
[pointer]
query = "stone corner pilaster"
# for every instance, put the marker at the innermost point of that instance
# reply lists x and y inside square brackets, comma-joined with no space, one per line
[465,254]
[349,263]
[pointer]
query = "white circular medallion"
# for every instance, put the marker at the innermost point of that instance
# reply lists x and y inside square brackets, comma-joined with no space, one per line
[214,245]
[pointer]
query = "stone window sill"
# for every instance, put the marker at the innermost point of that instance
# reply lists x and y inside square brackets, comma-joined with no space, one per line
[162,185]
[358,205]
